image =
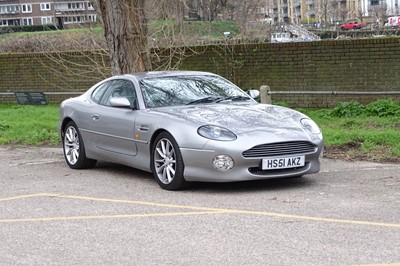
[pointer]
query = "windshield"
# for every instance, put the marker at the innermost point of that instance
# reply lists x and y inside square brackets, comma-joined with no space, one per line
[183,90]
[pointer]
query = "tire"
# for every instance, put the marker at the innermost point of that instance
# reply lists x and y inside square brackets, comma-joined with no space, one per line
[167,163]
[74,148]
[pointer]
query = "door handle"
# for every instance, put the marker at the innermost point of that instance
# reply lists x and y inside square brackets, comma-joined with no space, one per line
[95,116]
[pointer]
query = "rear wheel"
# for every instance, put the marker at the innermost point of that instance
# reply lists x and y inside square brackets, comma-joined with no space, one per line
[74,148]
[167,163]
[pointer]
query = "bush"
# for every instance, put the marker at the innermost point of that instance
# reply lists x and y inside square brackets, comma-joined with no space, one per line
[348,109]
[31,28]
[381,108]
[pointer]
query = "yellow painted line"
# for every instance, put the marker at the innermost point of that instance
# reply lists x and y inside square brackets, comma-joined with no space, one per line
[389,264]
[318,219]
[26,196]
[155,204]
[279,215]
[69,218]
[204,210]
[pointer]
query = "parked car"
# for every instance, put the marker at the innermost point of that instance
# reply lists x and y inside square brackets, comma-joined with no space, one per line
[392,22]
[187,126]
[352,24]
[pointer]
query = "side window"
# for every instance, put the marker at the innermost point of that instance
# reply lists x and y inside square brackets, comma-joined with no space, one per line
[119,88]
[99,91]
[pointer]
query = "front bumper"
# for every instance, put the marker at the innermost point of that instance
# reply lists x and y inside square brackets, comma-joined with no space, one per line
[199,165]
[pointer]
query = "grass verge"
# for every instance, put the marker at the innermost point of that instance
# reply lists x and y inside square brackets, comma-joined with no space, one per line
[28,125]
[361,132]
[351,131]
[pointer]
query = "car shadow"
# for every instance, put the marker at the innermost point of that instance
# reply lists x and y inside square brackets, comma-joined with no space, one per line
[210,187]
[123,171]
[253,186]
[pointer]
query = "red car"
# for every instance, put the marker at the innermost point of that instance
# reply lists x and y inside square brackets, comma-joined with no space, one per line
[352,25]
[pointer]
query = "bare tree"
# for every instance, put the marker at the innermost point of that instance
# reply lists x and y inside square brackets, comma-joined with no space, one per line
[335,10]
[242,12]
[211,8]
[324,8]
[379,12]
[125,30]
[359,13]
[343,13]
[166,10]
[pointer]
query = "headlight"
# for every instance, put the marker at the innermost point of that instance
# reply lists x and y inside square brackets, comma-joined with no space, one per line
[310,126]
[216,133]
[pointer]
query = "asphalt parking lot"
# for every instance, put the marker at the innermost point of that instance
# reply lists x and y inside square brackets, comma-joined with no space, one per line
[348,214]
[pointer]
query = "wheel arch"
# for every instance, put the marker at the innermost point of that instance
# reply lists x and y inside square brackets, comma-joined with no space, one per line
[154,136]
[64,123]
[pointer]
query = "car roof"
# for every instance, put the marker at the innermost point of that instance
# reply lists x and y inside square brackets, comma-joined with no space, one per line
[158,74]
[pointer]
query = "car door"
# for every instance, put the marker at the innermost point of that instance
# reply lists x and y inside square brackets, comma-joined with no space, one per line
[114,126]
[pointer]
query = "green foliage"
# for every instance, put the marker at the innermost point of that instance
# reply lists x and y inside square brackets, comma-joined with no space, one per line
[26,124]
[30,28]
[347,109]
[369,131]
[381,108]
[4,125]
[199,29]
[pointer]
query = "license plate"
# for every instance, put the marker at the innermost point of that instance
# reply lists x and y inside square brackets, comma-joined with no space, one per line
[283,163]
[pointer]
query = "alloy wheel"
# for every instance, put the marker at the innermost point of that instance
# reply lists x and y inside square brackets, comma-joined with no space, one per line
[71,145]
[165,161]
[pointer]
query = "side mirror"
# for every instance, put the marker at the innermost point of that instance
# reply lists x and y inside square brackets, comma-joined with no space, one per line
[253,93]
[120,102]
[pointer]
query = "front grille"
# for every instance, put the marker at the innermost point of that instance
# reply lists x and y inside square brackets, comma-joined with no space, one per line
[282,148]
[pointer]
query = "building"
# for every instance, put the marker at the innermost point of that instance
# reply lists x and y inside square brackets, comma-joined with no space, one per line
[60,13]
[330,11]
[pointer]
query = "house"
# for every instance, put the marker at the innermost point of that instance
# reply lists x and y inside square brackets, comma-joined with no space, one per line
[60,13]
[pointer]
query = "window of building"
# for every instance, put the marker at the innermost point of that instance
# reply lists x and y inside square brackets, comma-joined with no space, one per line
[76,6]
[90,6]
[27,21]
[374,2]
[27,8]
[46,20]
[92,18]
[45,6]
[9,9]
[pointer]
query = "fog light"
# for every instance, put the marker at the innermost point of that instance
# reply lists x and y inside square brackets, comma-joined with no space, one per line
[223,163]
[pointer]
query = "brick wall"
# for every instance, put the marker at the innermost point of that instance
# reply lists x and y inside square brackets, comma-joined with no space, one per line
[334,65]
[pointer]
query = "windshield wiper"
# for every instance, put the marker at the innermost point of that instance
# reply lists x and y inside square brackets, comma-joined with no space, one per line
[209,99]
[234,98]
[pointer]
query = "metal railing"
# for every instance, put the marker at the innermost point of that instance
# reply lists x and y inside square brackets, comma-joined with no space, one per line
[266,93]
[302,32]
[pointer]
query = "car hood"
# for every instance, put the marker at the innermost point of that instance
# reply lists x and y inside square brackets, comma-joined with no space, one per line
[239,118]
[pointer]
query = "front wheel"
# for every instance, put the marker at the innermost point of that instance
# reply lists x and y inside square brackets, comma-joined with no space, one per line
[74,149]
[167,163]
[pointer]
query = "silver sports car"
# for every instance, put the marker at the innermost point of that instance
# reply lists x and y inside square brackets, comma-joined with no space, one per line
[187,126]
